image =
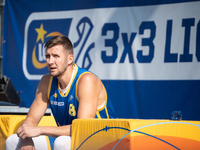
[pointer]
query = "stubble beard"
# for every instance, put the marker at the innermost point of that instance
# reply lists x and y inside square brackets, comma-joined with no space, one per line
[58,73]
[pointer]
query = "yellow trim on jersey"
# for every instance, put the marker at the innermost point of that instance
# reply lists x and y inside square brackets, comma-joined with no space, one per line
[48,143]
[78,81]
[107,113]
[98,115]
[49,87]
[76,70]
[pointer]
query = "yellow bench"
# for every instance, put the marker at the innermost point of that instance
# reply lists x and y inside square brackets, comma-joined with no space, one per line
[10,123]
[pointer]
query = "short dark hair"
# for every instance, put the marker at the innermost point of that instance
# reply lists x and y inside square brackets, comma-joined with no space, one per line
[60,40]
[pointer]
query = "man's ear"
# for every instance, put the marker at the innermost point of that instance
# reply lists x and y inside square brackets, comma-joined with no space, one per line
[70,59]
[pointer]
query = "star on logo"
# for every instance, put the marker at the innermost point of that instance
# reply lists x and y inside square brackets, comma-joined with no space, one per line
[41,32]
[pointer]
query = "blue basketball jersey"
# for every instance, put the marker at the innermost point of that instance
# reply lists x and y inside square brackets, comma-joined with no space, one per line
[65,107]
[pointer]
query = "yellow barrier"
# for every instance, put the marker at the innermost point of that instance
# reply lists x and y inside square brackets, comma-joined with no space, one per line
[129,134]
[10,123]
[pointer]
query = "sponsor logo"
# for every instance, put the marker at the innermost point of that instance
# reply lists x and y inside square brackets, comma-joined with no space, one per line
[57,103]
[39,28]
[71,97]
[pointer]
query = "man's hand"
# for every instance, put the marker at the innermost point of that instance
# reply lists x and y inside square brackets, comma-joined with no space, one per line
[27,131]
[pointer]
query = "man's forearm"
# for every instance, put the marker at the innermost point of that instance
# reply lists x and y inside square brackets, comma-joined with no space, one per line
[56,131]
[30,122]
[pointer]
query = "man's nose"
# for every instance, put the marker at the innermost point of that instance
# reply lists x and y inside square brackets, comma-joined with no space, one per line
[50,60]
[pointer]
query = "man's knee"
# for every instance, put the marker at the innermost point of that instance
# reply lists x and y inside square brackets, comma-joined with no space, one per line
[12,142]
[12,139]
[62,142]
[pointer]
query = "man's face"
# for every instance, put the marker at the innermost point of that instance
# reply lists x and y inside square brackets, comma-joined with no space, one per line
[57,60]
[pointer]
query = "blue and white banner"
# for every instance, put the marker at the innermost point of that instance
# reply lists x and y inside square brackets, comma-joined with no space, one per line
[147,54]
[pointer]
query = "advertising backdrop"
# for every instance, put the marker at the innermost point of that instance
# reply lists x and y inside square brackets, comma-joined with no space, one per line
[147,53]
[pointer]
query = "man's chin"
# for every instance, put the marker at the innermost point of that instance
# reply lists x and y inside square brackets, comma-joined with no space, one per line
[54,74]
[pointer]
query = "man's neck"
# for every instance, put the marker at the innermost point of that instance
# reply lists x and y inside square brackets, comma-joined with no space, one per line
[65,78]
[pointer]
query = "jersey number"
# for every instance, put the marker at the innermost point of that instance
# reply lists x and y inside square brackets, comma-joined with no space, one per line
[72,110]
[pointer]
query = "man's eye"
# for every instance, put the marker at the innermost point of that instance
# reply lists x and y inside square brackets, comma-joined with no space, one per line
[47,56]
